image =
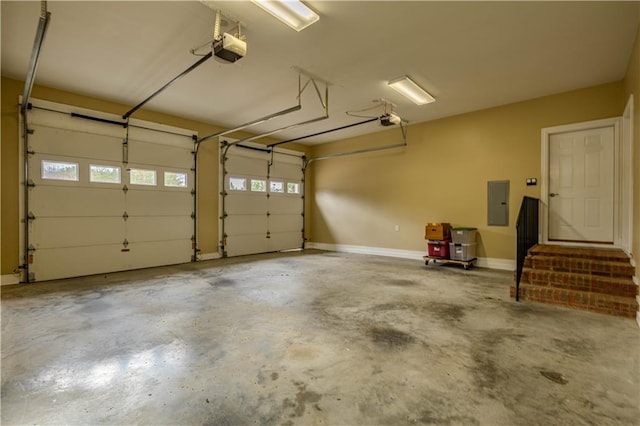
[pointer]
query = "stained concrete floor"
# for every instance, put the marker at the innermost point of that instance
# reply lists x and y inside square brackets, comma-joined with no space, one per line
[309,338]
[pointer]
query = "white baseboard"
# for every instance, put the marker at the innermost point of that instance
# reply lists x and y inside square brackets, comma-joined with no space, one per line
[9,279]
[483,262]
[209,256]
[497,263]
[375,251]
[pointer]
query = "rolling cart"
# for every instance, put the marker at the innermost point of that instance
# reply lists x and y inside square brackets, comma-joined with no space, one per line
[467,264]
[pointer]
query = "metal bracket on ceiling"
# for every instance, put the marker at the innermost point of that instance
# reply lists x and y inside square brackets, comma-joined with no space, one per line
[314,80]
[219,23]
[323,101]
[310,79]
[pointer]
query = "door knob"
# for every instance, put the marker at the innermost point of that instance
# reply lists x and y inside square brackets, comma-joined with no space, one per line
[553,194]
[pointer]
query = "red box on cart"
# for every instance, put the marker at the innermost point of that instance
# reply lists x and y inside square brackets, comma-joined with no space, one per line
[437,248]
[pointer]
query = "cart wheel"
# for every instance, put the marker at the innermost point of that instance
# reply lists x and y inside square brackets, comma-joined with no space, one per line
[466,267]
[426,262]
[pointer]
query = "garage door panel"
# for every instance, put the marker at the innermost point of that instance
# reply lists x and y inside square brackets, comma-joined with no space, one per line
[286,241]
[146,228]
[76,231]
[292,157]
[150,254]
[50,264]
[140,134]
[280,223]
[247,244]
[285,205]
[51,201]
[79,228]
[253,216]
[241,166]
[64,121]
[159,155]
[246,225]
[244,204]
[74,144]
[150,203]
[286,171]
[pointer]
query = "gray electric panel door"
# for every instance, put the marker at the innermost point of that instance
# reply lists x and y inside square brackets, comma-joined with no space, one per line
[498,203]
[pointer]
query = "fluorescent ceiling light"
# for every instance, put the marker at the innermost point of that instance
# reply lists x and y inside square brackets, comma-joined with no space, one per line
[294,13]
[405,86]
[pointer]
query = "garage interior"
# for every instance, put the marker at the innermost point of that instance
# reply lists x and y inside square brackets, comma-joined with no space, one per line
[209,217]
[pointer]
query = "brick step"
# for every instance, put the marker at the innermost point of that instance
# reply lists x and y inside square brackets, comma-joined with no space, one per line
[614,286]
[612,255]
[586,301]
[580,265]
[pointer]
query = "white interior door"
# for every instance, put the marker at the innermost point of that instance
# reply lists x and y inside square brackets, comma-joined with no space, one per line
[262,201]
[581,186]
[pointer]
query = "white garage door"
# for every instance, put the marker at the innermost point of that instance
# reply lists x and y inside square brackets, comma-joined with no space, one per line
[95,213]
[262,200]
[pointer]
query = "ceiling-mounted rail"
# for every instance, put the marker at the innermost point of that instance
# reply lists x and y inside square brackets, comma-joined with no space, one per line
[252,123]
[323,101]
[311,79]
[326,131]
[361,151]
[203,59]
[173,80]
[43,25]
[281,129]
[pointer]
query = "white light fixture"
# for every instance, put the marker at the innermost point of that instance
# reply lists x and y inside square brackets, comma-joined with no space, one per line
[405,86]
[294,13]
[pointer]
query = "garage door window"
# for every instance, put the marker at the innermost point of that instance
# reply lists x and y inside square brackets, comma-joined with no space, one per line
[175,179]
[258,185]
[104,174]
[277,187]
[57,170]
[293,188]
[237,184]
[142,177]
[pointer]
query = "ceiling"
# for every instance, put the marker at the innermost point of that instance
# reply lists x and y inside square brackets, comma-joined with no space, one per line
[468,55]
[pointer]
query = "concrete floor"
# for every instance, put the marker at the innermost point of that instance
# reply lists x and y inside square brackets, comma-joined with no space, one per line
[309,338]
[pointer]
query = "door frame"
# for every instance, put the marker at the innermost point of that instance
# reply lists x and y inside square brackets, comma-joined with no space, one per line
[626,178]
[547,132]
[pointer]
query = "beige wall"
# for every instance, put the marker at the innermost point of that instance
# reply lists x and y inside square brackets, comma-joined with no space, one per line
[9,168]
[442,175]
[632,86]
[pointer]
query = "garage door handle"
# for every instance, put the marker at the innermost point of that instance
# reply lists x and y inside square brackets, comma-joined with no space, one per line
[553,194]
